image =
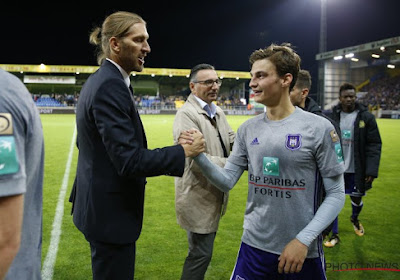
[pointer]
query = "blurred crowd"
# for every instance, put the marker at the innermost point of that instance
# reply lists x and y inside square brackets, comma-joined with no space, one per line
[382,94]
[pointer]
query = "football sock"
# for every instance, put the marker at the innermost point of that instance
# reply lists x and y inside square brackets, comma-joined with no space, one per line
[335,228]
[356,210]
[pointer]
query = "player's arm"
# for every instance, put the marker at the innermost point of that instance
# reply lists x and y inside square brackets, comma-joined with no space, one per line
[11,213]
[295,252]
[327,212]
[223,178]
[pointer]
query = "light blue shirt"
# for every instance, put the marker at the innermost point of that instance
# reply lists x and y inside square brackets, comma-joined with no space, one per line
[211,110]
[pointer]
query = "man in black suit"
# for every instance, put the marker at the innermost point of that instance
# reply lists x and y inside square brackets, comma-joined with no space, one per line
[113,161]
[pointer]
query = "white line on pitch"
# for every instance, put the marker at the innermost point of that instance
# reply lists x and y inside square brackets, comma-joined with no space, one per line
[50,260]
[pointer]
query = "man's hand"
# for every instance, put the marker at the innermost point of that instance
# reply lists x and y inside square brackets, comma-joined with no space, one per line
[197,146]
[186,136]
[292,258]
[369,179]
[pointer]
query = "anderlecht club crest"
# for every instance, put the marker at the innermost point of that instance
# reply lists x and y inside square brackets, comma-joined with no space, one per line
[293,141]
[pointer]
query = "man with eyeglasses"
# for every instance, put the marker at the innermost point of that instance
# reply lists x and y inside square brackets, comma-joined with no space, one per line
[199,205]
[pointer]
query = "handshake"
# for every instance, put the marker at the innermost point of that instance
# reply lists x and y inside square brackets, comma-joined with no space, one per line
[193,142]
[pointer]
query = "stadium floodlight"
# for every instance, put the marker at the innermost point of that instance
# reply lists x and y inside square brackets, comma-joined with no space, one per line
[323,28]
[338,57]
[374,55]
[398,50]
[349,55]
[391,66]
[322,48]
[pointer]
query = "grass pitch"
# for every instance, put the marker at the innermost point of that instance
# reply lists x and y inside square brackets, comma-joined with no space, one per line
[162,246]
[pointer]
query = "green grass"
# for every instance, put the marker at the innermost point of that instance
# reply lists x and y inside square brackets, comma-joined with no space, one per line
[162,246]
[380,246]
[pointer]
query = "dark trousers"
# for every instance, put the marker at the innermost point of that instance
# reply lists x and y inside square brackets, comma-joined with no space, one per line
[255,264]
[112,261]
[199,255]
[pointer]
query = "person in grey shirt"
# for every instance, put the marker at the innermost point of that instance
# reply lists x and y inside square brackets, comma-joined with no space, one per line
[286,151]
[362,148]
[21,181]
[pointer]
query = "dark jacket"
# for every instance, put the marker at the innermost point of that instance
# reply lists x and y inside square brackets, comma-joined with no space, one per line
[367,145]
[113,160]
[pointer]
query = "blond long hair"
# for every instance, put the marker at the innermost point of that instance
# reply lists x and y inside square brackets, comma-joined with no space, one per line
[115,25]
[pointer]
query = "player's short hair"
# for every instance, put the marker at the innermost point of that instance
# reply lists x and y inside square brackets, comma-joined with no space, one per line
[285,59]
[346,86]
[303,79]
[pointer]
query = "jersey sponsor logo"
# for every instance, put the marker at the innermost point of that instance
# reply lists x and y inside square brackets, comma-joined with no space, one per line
[346,134]
[293,141]
[361,124]
[255,142]
[339,152]
[271,166]
[6,124]
[334,136]
[272,192]
[279,183]
[8,156]
[346,138]
[275,187]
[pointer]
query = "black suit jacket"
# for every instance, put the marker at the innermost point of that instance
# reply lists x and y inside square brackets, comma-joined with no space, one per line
[113,161]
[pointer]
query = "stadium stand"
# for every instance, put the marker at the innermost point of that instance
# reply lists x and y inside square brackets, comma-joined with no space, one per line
[48,102]
[163,91]
[383,93]
[372,67]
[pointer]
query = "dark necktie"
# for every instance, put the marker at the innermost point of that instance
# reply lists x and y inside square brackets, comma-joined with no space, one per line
[214,123]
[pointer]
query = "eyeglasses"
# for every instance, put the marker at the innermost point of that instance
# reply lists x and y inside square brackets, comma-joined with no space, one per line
[210,83]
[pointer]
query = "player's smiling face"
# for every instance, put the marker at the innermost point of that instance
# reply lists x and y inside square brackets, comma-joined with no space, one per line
[265,82]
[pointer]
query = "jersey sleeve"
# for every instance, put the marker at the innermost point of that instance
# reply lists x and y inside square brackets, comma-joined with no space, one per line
[12,176]
[329,154]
